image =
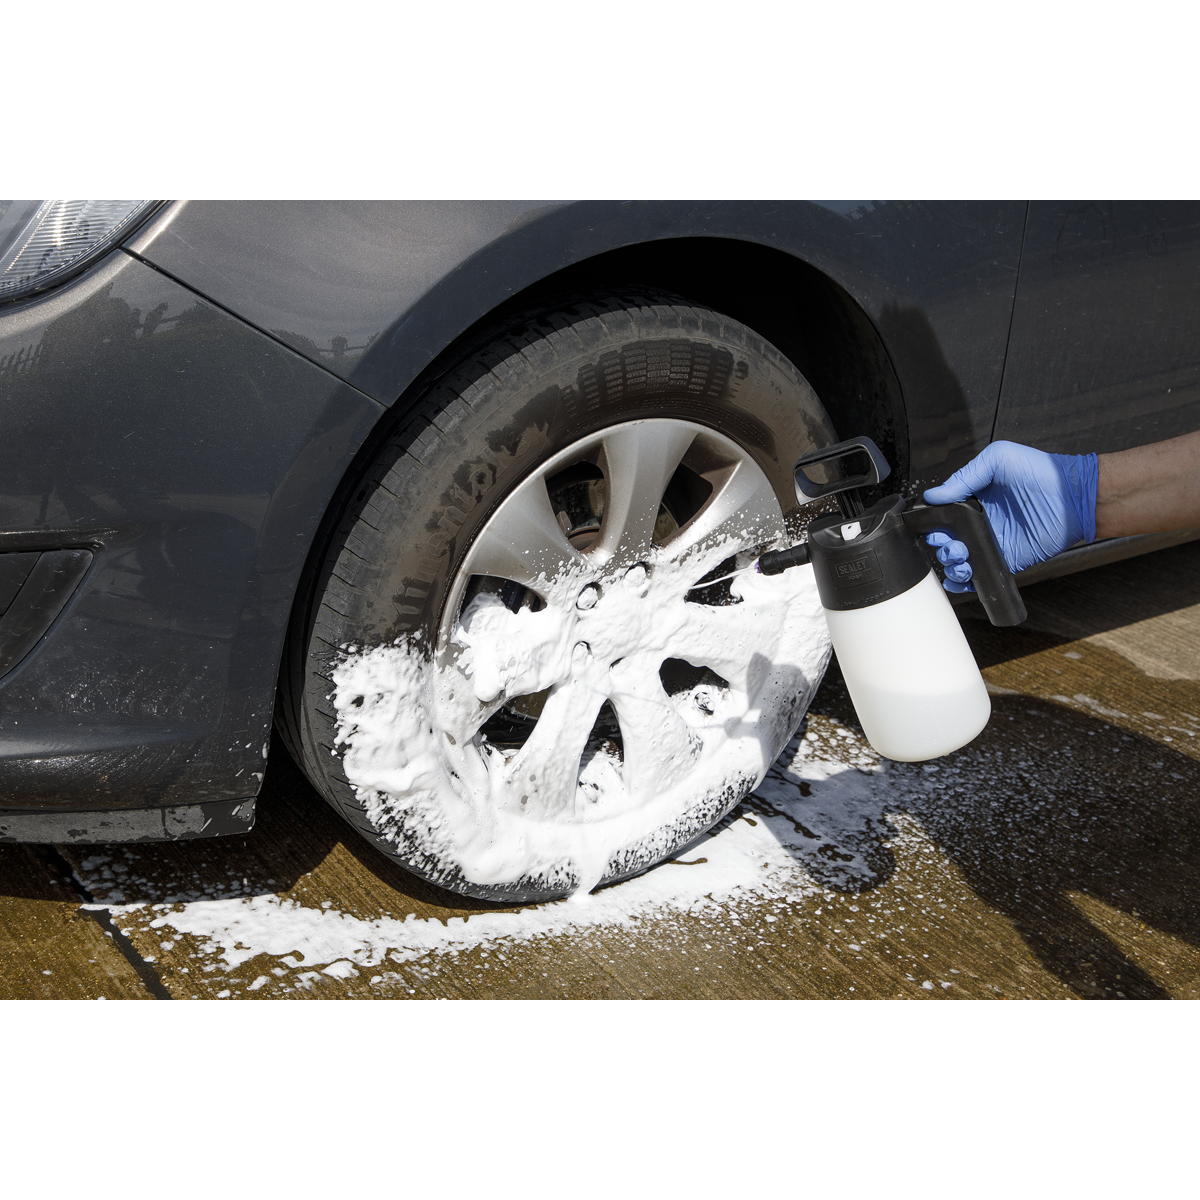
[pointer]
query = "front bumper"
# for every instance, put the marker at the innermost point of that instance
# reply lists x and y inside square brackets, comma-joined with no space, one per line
[184,462]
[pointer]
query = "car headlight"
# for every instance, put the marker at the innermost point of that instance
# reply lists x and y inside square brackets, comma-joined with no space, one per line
[44,241]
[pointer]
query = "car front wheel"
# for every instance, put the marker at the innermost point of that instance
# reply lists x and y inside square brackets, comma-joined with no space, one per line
[537,660]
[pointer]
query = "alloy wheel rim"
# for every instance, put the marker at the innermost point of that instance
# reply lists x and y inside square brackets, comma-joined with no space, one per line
[603,621]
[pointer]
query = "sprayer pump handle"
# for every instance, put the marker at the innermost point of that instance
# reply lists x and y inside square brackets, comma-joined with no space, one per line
[966,521]
[877,469]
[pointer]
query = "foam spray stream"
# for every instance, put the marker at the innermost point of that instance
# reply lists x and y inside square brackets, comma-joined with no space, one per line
[707,583]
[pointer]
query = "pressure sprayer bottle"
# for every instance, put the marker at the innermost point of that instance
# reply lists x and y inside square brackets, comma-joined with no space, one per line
[908,668]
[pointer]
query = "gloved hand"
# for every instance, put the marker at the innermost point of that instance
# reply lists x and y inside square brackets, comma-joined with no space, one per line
[1038,504]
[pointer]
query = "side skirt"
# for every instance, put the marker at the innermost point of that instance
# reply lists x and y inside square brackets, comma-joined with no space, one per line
[1098,554]
[181,822]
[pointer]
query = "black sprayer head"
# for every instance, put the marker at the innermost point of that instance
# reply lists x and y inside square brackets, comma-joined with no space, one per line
[777,561]
[866,556]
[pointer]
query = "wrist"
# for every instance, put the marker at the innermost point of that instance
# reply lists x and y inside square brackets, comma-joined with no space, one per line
[1081,474]
[1110,496]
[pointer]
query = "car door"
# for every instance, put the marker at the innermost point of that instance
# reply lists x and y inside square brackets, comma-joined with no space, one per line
[1105,345]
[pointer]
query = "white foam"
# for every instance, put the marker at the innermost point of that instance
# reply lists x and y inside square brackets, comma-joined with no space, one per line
[756,858]
[407,723]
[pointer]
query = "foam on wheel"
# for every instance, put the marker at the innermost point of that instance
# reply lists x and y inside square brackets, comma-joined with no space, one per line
[524,670]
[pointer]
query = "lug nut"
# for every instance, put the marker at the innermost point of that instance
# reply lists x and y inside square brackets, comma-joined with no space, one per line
[588,597]
[637,575]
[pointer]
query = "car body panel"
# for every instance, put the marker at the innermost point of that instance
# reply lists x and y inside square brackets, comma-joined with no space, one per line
[323,277]
[1105,349]
[195,458]
[376,291]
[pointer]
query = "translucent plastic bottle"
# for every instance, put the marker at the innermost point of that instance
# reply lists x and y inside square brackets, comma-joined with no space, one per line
[909,670]
[912,676]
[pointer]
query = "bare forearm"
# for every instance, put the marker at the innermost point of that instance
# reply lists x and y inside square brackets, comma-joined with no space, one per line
[1150,488]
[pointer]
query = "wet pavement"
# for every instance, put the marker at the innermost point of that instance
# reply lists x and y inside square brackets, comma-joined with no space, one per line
[1057,856]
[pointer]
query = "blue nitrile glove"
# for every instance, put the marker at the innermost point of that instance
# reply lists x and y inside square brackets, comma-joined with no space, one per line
[1038,504]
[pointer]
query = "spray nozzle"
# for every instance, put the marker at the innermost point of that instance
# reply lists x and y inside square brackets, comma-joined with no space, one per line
[778,561]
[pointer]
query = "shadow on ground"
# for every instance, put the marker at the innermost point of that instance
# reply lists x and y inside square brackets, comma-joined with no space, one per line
[1055,804]
[1049,804]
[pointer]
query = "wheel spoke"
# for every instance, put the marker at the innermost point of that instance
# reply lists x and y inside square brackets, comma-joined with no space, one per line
[461,713]
[658,745]
[545,770]
[524,541]
[742,512]
[726,639]
[639,461]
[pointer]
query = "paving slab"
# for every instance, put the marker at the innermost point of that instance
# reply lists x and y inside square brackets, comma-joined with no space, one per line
[1055,857]
[1146,609]
[49,948]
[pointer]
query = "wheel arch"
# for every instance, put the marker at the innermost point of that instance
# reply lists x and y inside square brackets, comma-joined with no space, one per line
[831,283]
[801,310]
[804,313]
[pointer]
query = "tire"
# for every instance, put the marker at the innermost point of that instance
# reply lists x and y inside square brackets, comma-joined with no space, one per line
[521,673]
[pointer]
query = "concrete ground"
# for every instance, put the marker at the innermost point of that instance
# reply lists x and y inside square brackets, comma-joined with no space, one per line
[1057,856]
